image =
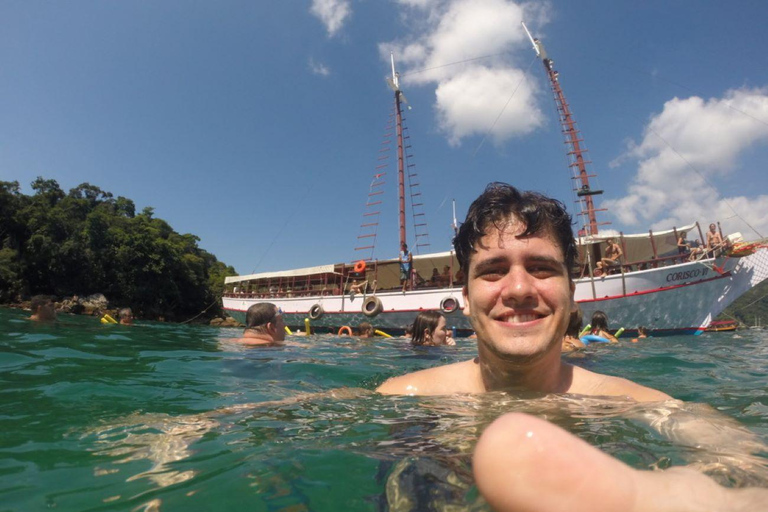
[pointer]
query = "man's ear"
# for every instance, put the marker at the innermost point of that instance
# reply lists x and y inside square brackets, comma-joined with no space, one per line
[574,306]
[465,294]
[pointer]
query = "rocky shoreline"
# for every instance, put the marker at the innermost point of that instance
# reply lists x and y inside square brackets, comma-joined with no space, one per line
[98,305]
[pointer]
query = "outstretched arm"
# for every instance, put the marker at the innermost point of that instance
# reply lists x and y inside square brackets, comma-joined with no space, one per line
[522,463]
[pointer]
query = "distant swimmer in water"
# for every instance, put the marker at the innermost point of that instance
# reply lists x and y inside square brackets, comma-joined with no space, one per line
[365,330]
[600,326]
[571,339]
[126,316]
[264,325]
[42,309]
[429,329]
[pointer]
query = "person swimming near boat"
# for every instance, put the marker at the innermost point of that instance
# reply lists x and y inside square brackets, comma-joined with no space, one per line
[264,325]
[571,339]
[429,329]
[599,328]
[406,266]
[642,333]
[612,257]
[126,316]
[42,309]
[365,330]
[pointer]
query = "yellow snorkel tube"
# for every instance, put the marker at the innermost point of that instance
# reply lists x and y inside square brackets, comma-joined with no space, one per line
[106,319]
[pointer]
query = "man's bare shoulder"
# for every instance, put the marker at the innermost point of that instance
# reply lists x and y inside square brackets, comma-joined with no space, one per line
[450,379]
[586,382]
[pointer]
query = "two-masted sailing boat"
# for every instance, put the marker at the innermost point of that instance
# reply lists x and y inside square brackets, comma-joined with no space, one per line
[655,284]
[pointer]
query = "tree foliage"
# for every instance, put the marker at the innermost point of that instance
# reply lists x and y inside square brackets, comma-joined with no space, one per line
[86,241]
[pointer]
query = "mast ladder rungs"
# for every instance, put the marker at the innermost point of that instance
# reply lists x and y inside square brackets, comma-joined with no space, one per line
[370,214]
[369,224]
[364,248]
[365,236]
[373,203]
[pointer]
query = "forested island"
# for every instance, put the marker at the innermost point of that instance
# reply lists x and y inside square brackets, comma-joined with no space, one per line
[86,241]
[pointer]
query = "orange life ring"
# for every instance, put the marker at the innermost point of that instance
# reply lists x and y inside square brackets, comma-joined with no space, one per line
[345,328]
[359,266]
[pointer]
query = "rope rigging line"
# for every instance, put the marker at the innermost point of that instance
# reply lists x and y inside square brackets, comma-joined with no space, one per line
[725,200]
[525,76]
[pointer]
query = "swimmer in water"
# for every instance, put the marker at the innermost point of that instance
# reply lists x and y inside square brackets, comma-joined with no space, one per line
[429,329]
[42,309]
[264,325]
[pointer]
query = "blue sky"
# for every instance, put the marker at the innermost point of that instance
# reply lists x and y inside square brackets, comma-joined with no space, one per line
[256,125]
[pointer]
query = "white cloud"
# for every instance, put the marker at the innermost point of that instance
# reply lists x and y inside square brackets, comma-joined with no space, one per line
[333,13]
[318,68]
[471,95]
[685,151]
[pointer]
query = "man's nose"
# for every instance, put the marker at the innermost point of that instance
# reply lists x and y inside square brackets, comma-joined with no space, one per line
[518,287]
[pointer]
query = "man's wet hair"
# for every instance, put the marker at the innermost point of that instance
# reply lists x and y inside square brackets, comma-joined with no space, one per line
[259,315]
[37,301]
[125,313]
[498,204]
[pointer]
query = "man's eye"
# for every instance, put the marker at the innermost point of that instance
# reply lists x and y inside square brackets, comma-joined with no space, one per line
[490,273]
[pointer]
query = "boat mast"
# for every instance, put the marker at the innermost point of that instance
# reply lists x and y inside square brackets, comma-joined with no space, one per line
[576,154]
[400,148]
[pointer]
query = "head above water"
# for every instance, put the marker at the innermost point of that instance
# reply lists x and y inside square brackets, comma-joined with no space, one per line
[501,203]
[126,316]
[575,323]
[259,315]
[424,324]
[599,321]
[42,308]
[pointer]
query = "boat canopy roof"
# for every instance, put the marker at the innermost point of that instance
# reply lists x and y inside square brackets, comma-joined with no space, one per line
[308,271]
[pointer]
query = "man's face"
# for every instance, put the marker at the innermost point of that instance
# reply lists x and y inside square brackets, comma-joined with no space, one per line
[518,294]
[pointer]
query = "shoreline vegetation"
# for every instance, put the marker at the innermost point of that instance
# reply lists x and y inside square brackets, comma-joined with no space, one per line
[86,242]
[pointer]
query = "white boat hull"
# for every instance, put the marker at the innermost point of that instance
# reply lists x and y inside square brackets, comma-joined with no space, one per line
[678,299]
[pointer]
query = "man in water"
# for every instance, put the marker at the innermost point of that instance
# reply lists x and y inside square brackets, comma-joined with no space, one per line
[42,309]
[264,325]
[406,265]
[516,250]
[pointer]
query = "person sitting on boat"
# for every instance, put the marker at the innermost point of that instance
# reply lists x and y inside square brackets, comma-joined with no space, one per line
[264,325]
[357,287]
[429,329]
[406,266]
[612,256]
[571,339]
[683,245]
[600,326]
[715,241]
[445,277]
[435,279]
[126,316]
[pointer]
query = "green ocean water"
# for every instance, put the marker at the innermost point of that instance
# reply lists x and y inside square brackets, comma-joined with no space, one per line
[171,417]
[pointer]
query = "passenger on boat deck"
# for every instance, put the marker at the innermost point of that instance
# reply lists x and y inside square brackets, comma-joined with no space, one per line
[126,316]
[714,240]
[599,325]
[429,330]
[571,339]
[435,279]
[612,256]
[445,277]
[42,309]
[357,287]
[264,325]
[365,330]
[683,245]
[406,266]
[516,249]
